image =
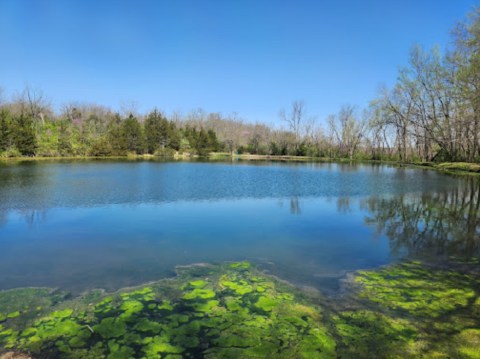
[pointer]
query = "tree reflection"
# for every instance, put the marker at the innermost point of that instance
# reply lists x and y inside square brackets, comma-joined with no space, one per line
[439,223]
[295,206]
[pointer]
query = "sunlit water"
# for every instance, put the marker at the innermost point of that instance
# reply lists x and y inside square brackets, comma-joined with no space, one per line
[79,225]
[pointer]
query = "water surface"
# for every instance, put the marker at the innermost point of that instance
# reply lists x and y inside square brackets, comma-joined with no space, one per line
[80,225]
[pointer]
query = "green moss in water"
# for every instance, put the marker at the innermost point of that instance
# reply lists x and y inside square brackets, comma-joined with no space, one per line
[166,305]
[205,306]
[415,309]
[317,344]
[118,351]
[26,301]
[145,325]
[234,304]
[232,310]
[240,265]
[111,328]
[197,283]
[62,313]
[13,314]
[418,290]
[204,312]
[159,345]
[266,304]
[145,294]
[369,334]
[239,286]
[469,343]
[130,307]
[199,293]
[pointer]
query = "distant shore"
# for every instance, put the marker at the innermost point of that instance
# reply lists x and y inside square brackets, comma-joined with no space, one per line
[447,167]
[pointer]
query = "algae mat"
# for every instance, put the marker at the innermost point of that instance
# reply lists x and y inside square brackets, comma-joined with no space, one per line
[234,311]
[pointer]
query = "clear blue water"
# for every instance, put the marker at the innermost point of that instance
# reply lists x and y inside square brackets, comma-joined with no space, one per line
[79,225]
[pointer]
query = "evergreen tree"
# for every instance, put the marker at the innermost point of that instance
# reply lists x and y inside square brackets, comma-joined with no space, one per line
[115,136]
[5,130]
[24,135]
[132,135]
[157,132]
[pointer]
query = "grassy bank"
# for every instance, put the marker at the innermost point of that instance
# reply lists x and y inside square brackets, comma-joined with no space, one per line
[446,167]
[457,168]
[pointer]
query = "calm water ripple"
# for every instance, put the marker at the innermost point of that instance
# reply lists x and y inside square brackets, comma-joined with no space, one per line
[85,224]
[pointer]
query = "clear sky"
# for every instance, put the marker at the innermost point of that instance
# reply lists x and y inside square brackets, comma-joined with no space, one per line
[252,57]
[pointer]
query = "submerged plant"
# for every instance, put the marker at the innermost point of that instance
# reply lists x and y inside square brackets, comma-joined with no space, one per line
[414,310]
[234,311]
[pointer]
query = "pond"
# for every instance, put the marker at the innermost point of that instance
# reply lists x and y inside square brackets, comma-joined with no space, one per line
[79,225]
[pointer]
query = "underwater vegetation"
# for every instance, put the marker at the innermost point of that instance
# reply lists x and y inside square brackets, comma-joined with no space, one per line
[234,311]
[412,310]
[227,311]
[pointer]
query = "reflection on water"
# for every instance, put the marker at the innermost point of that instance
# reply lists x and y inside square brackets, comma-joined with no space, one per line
[79,225]
[294,206]
[430,224]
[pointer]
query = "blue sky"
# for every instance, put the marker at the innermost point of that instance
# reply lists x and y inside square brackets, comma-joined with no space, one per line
[249,57]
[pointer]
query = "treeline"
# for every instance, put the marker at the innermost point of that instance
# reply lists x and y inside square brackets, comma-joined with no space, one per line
[432,113]
[28,127]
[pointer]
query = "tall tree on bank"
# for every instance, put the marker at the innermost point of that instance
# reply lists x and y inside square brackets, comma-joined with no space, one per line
[294,119]
[157,131]
[347,130]
[466,61]
[132,135]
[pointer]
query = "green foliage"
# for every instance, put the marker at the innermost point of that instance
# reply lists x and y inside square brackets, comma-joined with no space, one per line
[132,135]
[47,140]
[10,152]
[158,132]
[459,166]
[6,136]
[23,135]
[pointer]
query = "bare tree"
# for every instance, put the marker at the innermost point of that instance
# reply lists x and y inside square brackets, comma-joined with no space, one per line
[347,130]
[32,103]
[294,119]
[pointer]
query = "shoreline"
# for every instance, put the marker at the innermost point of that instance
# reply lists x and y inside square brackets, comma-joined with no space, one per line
[456,168]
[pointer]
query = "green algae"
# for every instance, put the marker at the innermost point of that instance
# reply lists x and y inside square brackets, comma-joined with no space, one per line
[198,283]
[118,351]
[111,328]
[266,304]
[412,310]
[166,305]
[13,314]
[131,307]
[146,325]
[199,293]
[469,343]
[62,313]
[234,311]
[159,345]
[240,265]
[26,299]
[206,306]
[366,334]
[417,290]
[214,315]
